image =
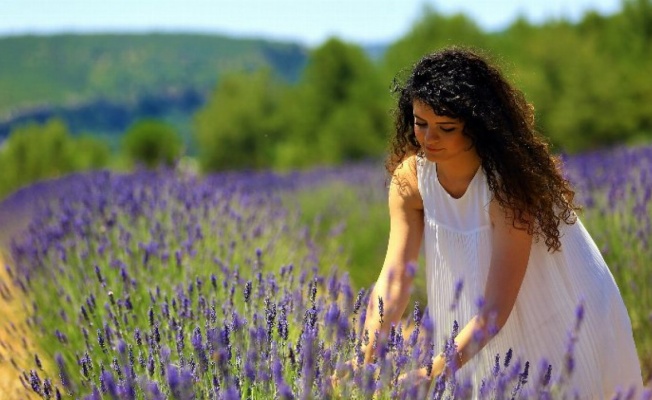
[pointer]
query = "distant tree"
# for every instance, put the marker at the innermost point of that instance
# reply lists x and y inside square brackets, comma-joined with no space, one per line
[34,152]
[239,125]
[152,143]
[637,15]
[338,111]
[91,152]
[430,32]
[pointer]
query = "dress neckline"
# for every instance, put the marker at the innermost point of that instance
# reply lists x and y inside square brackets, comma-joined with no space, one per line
[468,187]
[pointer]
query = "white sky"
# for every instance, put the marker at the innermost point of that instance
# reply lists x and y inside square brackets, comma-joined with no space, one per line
[306,21]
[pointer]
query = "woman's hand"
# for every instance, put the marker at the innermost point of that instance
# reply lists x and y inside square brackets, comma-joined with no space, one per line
[343,373]
[348,368]
[367,375]
[416,383]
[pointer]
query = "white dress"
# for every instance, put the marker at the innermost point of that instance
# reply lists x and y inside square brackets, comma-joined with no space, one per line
[457,242]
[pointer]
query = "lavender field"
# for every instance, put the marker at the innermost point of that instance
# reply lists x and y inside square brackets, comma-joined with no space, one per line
[161,284]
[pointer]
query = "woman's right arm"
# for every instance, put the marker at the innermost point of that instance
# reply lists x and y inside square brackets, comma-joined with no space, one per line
[406,229]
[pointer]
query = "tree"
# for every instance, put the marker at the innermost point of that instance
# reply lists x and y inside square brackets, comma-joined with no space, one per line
[431,32]
[152,143]
[338,111]
[34,152]
[239,125]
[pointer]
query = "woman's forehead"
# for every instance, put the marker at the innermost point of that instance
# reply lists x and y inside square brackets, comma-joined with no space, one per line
[422,109]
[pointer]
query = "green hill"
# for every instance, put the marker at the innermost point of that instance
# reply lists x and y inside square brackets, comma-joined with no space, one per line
[74,69]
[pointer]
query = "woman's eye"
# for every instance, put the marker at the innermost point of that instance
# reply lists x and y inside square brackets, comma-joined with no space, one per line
[448,129]
[420,124]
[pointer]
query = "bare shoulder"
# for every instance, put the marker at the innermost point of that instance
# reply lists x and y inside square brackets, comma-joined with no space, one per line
[404,187]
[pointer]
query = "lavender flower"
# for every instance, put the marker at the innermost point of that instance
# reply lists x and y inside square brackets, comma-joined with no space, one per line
[219,222]
[35,381]
[381,308]
[109,385]
[63,373]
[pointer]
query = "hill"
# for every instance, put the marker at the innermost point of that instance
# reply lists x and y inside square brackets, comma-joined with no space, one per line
[72,70]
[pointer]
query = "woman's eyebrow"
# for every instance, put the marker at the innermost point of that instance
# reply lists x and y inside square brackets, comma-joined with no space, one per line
[437,123]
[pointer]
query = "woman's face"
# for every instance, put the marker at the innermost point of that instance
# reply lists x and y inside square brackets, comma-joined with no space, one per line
[441,138]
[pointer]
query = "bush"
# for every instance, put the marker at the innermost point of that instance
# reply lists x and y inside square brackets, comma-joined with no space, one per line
[152,143]
[34,152]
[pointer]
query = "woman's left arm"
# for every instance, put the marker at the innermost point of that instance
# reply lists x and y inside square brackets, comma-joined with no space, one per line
[509,259]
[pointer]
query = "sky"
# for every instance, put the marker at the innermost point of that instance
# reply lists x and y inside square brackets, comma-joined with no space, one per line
[309,22]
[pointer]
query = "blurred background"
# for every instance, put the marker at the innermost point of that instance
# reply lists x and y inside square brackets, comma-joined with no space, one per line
[215,85]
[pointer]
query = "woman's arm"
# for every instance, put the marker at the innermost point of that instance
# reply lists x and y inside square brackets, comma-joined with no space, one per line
[509,258]
[406,230]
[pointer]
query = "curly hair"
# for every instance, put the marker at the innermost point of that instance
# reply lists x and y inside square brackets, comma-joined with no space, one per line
[522,174]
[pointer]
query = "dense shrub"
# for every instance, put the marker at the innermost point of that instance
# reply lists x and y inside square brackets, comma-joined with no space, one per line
[152,143]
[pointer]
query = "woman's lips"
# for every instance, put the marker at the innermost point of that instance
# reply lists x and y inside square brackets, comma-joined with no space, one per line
[432,149]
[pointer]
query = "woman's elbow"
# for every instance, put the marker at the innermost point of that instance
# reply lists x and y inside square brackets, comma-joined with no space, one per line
[493,319]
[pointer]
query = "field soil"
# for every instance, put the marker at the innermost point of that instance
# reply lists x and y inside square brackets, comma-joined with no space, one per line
[16,345]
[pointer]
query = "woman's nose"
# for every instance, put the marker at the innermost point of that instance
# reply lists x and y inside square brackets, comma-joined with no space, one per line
[431,135]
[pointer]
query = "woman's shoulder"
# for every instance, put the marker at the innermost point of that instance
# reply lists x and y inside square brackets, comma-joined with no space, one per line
[404,181]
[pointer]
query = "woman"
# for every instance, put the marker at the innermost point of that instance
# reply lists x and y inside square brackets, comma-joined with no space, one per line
[507,258]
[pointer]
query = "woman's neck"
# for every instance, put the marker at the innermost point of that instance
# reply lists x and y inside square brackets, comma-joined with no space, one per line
[459,170]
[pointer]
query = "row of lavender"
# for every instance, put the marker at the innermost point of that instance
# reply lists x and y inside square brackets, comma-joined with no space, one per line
[615,188]
[162,285]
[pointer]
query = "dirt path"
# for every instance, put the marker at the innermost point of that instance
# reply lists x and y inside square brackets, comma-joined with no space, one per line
[16,349]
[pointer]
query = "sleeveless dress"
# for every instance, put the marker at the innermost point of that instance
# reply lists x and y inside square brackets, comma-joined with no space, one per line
[457,244]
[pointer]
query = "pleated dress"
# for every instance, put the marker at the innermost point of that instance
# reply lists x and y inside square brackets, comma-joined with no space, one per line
[457,244]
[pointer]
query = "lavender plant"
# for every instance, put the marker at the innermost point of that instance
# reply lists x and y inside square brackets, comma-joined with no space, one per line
[615,187]
[160,285]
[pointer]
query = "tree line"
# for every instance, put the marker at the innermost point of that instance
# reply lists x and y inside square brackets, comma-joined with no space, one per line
[589,82]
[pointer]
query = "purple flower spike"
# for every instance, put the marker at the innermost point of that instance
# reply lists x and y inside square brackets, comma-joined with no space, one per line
[231,393]
[358,301]
[381,309]
[63,373]
[411,269]
[508,358]
[154,391]
[95,394]
[282,326]
[174,381]
[200,351]
[98,273]
[110,387]
[247,292]
[122,347]
[284,392]
[249,367]
[35,381]
[458,292]
[332,315]
[579,314]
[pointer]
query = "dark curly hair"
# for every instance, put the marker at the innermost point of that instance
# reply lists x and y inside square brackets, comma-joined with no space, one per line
[522,174]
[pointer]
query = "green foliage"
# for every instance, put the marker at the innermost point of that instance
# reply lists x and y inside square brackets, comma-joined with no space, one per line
[63,69]
[239,125]
[34,152]
[338,110]
[431,32]
[588,81]
[151,142]
[358,216]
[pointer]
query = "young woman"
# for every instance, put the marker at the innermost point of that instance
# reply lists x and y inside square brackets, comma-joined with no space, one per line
[506,256]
